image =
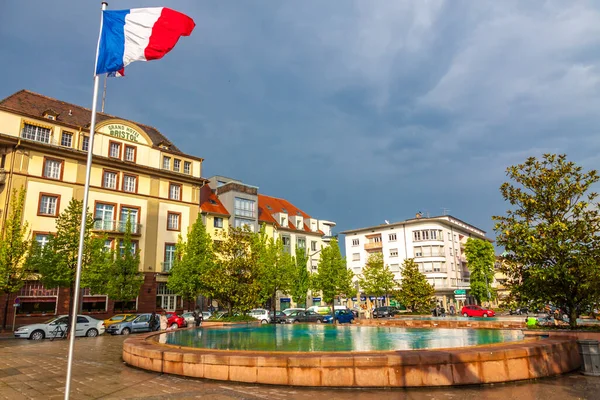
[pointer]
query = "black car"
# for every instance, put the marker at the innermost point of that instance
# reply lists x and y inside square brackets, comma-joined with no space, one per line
[385,311]
[303,316]
[277,318]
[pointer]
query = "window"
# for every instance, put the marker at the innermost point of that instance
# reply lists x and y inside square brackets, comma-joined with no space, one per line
[114,149]
[301,243]
[42,239]
[169,256]
[166,299]
[299,225]
[85,143]
[66,139]
[48,205]
[218,222]
[130,183]
[109,180]
[392,237]
[173,221]
[241,223]
[283,221]
[130,153]
[37,133]
[416,236]
[176,165]
[104,216]
[449,236]
[355,242]
[377,239]
[286,243]
[131,214]
[356,257]
[187,167]
[108,245]
[134,246]
[313,245]
[244,207]
[174,191]
[53,168]
[418,252]
[395,267]
[425,235]
[393,252]
[166,162]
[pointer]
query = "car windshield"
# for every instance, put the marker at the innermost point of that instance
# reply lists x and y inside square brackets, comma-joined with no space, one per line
[117,318]
[51,320]
[130,318]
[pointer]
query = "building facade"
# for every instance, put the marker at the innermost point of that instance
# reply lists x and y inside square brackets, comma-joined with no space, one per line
[137,174]
[436,244]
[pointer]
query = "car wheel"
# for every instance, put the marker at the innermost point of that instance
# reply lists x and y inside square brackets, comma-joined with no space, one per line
[37,335]
[125,331]
[485,315]
[465,315]
[174,325]
[319,321]
[264,321]
[296,322]
[92,333]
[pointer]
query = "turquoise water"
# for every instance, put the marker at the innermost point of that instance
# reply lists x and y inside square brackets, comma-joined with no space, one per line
[307,338]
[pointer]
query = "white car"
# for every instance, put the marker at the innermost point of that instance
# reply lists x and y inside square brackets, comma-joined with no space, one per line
[57,328]
[260,314]
[288,311]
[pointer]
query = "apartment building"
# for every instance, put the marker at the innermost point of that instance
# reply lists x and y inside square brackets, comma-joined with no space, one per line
[436,244]
[137,173]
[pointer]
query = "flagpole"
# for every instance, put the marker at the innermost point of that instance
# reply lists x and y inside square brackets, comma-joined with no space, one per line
[104,93]
[75,298]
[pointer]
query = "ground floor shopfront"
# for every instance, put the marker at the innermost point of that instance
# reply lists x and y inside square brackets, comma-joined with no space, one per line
[35,303]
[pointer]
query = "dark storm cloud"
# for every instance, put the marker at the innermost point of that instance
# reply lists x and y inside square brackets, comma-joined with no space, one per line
[354,111]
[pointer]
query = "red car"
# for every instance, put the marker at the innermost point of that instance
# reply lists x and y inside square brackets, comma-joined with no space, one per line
[176,321]
[476,311]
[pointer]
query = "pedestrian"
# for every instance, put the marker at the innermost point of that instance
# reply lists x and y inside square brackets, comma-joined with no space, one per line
[198,318]
[163,321]
[153,323]
[452,309]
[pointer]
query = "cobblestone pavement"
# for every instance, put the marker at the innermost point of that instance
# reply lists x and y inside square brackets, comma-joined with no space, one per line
[36,370]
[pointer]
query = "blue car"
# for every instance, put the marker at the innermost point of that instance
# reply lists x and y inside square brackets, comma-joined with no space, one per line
[342,316]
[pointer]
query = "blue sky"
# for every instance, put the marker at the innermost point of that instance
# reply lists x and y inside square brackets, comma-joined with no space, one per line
[355,111]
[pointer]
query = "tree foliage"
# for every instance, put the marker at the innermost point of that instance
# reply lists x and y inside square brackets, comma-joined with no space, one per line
[415,292]
[481,258]
[193,264]
[277,270]
[550,234]
[301,277]
[333,278]
[13,249]
[377,279]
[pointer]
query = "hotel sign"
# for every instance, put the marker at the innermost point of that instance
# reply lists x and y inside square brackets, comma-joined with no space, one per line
[123,132]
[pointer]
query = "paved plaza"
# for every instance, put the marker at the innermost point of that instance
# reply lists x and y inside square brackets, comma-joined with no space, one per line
[36,370]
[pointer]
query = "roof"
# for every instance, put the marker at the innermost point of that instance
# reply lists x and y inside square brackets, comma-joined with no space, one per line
[35,105]
[210,203]
[268,206]
[447,219]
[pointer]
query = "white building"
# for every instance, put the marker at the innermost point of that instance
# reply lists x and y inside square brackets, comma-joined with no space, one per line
[436,244]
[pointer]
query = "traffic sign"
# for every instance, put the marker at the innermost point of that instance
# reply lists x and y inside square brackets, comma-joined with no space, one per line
[460,291]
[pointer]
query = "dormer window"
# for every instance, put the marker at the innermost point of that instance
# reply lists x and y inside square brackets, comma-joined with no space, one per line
[283,221]
[50,114]
[52,117]
[299,225]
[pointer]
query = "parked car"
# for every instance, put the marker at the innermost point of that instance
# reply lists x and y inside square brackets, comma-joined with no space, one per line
[57,327]
[303,316]
[260,314]
[116,318]
[176,321]
[385,311]
[476,311]
[278,317]
[288,311]
[189,318]
[132,324]
[323,310]
[206,315]
[341,316]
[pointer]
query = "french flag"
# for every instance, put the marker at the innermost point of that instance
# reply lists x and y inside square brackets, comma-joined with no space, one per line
[139,34]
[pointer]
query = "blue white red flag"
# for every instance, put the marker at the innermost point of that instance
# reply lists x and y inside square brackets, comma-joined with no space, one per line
[139,34]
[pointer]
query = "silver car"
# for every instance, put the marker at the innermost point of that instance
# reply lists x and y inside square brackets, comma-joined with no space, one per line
[57,328]
[131,324]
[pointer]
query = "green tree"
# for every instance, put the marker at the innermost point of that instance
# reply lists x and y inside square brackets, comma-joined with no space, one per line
[550,234]
[377,279]
[193,264]
[481,258]
[56,262]
[415,292]
[277,270]
[333,278]
[126,279]
[13,249]
[301,281]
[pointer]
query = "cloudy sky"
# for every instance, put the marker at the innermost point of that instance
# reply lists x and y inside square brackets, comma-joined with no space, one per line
[355,111]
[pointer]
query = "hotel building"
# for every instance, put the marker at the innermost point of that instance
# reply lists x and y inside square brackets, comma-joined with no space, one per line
[436,244]
[137,173]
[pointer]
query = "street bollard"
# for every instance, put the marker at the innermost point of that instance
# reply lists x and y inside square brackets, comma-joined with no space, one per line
[590,356]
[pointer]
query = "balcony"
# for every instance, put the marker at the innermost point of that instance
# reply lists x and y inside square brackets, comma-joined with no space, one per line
[116,227]
[370,246]
[166,266]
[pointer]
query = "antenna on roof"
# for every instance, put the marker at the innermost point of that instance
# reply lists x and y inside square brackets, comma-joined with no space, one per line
[386,221]
[445,211]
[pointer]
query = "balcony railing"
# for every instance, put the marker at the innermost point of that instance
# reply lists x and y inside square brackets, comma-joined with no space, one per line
[166,266]
[373,245]
[117,226]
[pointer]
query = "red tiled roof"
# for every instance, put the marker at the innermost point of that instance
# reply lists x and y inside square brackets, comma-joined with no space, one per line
[210,203]
[268,205]
[34,105]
